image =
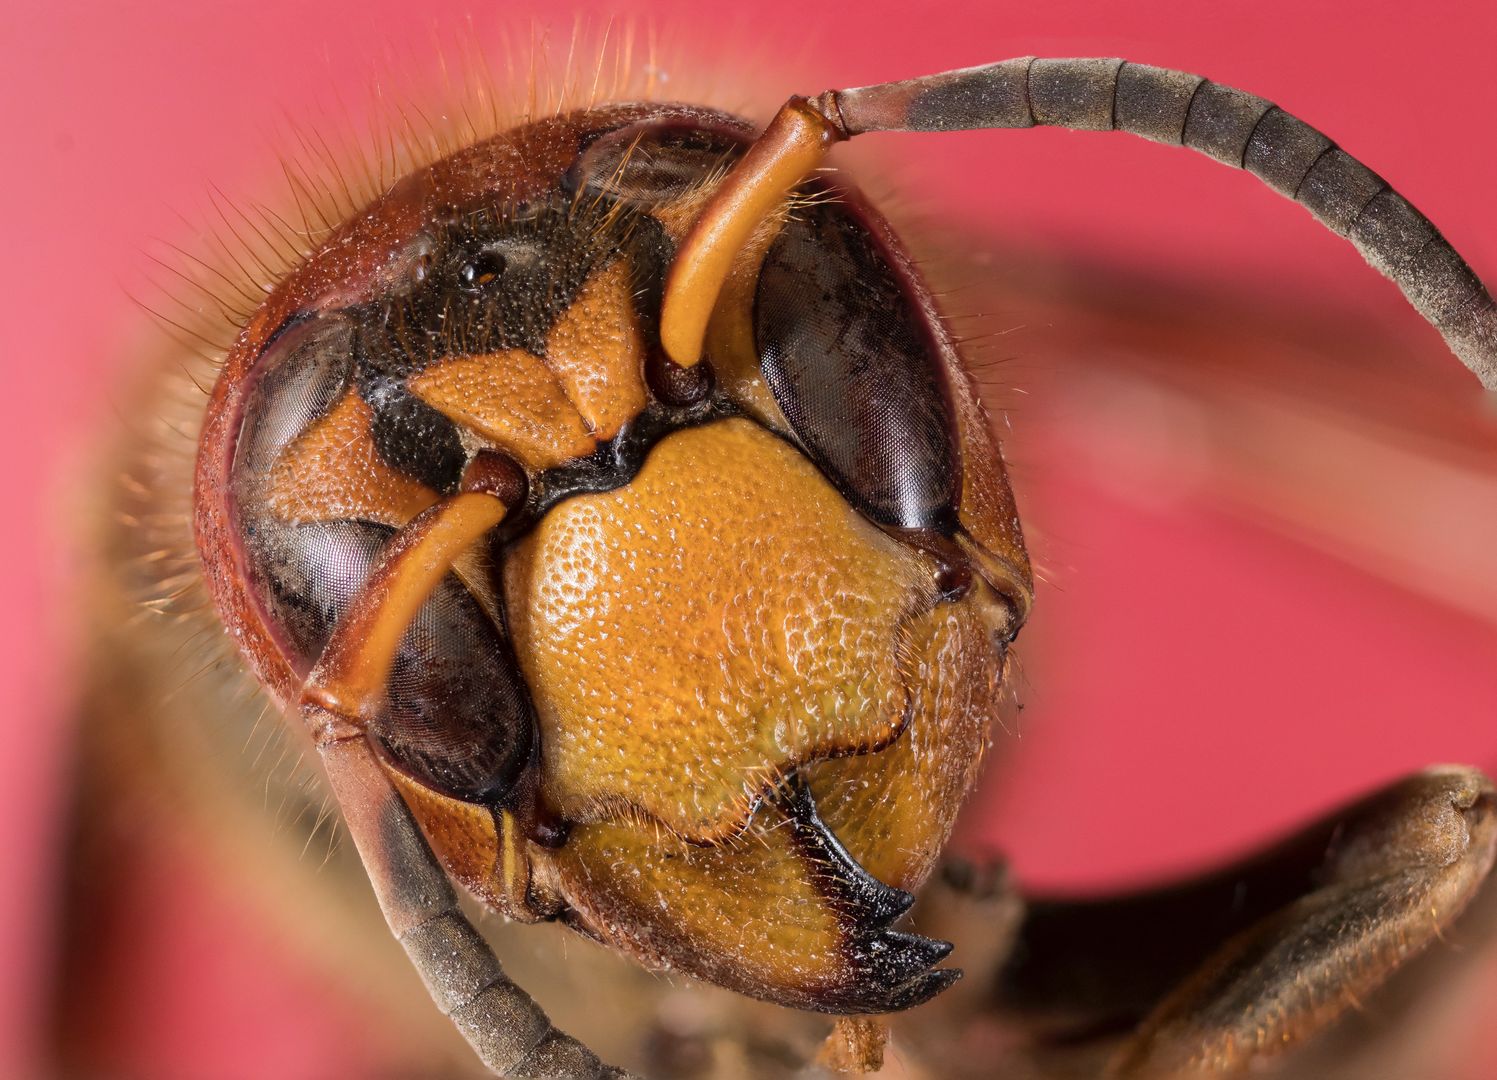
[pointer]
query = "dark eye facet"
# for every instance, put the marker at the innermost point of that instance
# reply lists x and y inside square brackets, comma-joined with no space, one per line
[846,353]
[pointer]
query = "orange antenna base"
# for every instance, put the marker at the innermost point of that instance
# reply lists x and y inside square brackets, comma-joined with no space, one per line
[788,151]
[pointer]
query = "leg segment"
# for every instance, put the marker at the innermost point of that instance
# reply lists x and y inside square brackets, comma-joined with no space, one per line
[1290,940]
[506,1028]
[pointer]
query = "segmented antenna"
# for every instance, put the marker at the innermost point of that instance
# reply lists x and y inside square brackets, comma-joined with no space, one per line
[1228,125]
[1172,107]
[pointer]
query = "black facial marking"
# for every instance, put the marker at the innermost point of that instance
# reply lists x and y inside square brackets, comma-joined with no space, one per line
[614,464]
[649,249]
[499,278]
[412,436]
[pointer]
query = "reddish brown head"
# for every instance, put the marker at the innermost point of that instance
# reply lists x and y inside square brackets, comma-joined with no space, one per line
[714,687]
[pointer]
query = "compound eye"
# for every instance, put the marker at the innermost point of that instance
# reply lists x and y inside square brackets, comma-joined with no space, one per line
[457,717]
[651,163]
[295,380]
[845,351]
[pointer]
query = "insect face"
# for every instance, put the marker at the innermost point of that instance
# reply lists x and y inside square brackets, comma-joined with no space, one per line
[710,679]
[610,502]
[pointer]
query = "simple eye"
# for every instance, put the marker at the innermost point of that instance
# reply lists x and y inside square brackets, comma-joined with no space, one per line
[845,352]
[652,163]
[483,269]
[420,267]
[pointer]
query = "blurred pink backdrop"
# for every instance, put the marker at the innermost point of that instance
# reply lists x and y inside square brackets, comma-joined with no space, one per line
[119,116]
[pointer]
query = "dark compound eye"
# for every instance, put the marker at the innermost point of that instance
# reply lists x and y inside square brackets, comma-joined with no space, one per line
[846,353]
[458,716]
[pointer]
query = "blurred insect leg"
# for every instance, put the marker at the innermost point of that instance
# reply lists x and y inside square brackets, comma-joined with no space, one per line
[506,1028]
[1244,964]
[979,905]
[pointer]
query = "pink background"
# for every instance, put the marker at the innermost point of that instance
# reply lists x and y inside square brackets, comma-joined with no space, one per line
[1152,743]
